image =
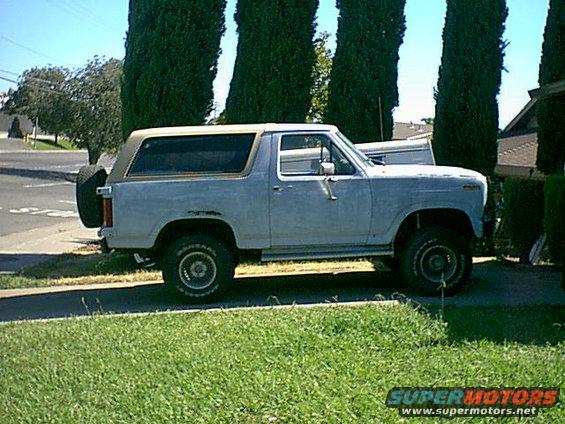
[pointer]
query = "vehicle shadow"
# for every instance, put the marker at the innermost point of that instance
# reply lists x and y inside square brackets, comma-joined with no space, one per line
[15,262]
[246,291]
[501,304]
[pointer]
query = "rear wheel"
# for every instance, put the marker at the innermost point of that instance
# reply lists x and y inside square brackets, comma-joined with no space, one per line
[434,258]
[199,268]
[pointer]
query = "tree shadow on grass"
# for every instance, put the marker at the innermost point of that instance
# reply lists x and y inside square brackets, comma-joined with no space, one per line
[529,324]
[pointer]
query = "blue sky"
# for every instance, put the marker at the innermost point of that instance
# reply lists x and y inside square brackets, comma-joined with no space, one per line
[68,32]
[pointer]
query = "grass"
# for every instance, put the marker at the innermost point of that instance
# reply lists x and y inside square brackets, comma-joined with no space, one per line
[269,366]
[92,267]
[46,144]
[324,365]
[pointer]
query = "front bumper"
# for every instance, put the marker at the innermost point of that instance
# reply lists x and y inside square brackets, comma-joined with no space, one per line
[489,223]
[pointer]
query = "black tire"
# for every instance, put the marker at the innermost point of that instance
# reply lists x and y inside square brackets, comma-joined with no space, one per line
[433,255]
[199,268]
[89,204]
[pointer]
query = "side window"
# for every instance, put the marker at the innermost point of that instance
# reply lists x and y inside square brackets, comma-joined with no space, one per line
[218,153]
[301,154]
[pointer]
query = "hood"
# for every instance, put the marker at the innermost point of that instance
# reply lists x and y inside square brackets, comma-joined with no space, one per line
[429,171]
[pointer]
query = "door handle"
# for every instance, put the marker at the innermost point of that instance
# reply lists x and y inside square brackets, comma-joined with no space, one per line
[279,188]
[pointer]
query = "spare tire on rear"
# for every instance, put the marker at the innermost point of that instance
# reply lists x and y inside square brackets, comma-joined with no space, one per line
[89,204]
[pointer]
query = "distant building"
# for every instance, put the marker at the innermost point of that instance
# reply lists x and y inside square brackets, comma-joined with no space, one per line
[518,142]
[411,131]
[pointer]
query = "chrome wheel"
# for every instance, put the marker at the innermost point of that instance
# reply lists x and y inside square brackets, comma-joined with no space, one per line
[197,270]
[438,263]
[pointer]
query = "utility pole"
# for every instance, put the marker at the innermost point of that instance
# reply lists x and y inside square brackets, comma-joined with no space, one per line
[381,119]
[35,130]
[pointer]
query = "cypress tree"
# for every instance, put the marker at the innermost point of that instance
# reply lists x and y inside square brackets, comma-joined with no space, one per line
[551,111]
[466,121]
[365,68]
[275,55]
[172,51]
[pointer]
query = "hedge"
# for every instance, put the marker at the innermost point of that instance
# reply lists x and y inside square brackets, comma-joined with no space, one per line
[554,220]
[523,213]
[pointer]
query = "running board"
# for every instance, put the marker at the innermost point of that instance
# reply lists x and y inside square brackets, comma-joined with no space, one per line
[307,254]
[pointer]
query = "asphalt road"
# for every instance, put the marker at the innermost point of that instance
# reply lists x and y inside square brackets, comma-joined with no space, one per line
[491,284]
[37,187]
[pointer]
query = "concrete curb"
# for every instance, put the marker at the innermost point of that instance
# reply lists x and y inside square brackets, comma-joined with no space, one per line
[326,305]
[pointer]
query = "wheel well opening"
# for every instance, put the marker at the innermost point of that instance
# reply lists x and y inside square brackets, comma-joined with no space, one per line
[451,219]
[176,229]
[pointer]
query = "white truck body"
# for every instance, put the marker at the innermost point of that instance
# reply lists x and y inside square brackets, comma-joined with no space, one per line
[287,217]
[198,199]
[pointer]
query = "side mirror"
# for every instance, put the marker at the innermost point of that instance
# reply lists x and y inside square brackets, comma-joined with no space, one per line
[327,168]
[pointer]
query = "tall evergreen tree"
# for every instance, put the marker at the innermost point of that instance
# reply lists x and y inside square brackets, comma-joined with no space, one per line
[172,51]
[363,86]
[275,55]
[466,120]
[551,111]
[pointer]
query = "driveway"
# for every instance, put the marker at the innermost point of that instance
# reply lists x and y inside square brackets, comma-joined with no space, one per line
[492,284]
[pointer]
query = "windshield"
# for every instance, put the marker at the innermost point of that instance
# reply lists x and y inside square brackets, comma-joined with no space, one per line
[355,151]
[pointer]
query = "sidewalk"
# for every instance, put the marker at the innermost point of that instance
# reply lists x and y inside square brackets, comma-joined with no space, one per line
[28,248]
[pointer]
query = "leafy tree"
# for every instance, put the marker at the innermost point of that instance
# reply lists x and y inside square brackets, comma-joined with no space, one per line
[42,95]
[172,50]
[321,79]
[551,111]
[365,68]
[275,56]
[466,118]
[96,107]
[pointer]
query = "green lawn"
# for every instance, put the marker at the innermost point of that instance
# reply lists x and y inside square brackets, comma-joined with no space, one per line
[273,366]
[62,144]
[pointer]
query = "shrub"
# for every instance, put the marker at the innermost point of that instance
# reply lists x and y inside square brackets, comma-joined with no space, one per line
[554,219]
[523,213]
[172,51]
[466,117]
[15,130]
[275,55]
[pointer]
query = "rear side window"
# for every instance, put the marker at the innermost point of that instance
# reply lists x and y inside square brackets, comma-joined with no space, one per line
[219,153]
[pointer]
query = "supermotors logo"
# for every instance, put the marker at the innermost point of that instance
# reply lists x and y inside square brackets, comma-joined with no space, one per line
[471,401]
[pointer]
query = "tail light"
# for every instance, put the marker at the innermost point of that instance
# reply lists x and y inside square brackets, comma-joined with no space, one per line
[107,209]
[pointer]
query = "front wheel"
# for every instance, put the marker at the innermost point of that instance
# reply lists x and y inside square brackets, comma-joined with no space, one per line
[199,268]
[436,258]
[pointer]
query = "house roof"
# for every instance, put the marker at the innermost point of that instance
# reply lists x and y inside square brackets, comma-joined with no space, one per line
[411,131]
[517,156]
[528,111]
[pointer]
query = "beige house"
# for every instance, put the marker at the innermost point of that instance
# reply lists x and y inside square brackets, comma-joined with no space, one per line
[518,142]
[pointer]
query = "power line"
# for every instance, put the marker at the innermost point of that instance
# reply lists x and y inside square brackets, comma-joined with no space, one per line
[72,10]
[83,9]
[15,43]
[36,86]
[9,80]
[28,77]
[10,72]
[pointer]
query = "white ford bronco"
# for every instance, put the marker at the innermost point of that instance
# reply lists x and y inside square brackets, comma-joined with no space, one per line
[199,199]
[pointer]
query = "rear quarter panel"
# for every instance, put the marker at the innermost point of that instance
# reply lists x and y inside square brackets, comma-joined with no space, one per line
[142,208]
